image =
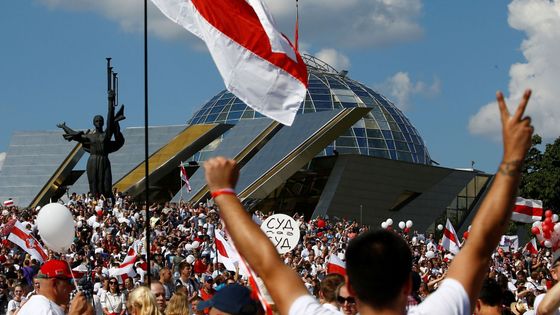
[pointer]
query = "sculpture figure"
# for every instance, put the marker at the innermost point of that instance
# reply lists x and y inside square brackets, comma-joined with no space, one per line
[99,143]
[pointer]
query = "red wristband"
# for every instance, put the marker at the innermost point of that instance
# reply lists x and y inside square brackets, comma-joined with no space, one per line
[223,191]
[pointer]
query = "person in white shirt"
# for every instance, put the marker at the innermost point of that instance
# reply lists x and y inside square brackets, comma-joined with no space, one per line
[379,263]
[56,284]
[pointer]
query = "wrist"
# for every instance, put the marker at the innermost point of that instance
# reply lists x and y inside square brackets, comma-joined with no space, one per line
[510,167]
[222,191]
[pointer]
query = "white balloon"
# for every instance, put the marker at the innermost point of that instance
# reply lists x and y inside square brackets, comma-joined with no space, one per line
[402,225]
[548,244]
[440,227]
[56,227]
[79,224]
[188,247]
[414,240]
[536,223]
[555,218]
[190,259]
[195,244]
[429,254]
[409,224]
[557,227]
[389,221]
[384,225]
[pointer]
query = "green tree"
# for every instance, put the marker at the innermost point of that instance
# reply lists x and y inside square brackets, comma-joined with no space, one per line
[541,174]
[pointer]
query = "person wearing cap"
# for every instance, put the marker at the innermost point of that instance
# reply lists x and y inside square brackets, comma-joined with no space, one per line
[207,291]
[56,282]
[379,263]
[233,299]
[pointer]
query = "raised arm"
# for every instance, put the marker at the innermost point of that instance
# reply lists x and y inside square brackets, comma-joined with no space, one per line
[491,221]
[70,134]
[283,284]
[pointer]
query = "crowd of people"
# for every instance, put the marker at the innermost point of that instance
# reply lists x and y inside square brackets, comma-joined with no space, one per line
[387,271]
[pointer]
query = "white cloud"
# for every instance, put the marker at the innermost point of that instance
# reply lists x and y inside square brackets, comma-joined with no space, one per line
[400,88]
[540,20]
[2,159]
[348,23]
[334,58]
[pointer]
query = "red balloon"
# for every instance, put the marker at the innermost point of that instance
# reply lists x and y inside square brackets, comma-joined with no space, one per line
[321,223]
[548,213]
[547,234]
[546,228]
[535,230]
[466,235]
[406,230]
[548,221]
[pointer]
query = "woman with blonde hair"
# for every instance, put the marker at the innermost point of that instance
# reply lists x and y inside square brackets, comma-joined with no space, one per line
[141,301]
[178,304]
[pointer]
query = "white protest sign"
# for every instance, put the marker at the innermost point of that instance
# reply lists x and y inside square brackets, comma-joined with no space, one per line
[283,232]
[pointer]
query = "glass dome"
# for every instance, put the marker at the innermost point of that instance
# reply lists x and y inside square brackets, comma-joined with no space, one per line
[385,132]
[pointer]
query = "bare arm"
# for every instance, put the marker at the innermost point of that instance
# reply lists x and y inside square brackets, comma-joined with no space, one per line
[491,221]
[551,301]
[283,284]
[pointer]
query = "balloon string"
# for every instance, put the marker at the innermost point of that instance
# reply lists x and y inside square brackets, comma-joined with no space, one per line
[73,278]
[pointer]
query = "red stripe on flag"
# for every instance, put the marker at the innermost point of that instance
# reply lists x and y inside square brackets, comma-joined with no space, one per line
[247,30]
[220,248]
[450,236]
[528,210]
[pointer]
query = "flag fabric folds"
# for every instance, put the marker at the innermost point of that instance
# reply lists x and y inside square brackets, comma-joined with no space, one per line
[226,254]
[450,241]
[185,178]
[20,236]
[531,247]
[336,265]
[527,210]
[126,267]
[257,63]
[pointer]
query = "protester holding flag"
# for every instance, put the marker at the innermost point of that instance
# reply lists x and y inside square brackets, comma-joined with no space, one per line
[371,255]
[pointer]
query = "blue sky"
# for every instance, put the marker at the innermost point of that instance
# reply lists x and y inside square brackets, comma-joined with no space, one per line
[440,61]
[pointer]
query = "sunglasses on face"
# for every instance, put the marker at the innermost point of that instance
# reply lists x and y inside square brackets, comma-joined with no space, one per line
[349,300]
[112,282]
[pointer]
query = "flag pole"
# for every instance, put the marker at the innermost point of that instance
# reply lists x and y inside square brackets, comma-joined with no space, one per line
[180,184]
[146,162]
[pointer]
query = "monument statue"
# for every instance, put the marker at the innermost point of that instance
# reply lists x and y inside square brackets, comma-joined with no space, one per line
[99,143]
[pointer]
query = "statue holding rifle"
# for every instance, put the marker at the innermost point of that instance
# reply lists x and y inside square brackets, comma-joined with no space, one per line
[99,143]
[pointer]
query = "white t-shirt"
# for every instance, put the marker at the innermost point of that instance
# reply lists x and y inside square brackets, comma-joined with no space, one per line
[450,299]
[40,305]
[538,301]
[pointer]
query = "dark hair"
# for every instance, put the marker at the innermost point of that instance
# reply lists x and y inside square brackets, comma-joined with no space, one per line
[329,284]
[378,265]
[491,293]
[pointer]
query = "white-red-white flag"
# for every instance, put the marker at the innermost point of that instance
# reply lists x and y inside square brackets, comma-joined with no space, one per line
[531,247]
[127,265]
[226,255]
[336,265]
[527,210]
[450,241]
[20,236]
[8,203]
[257,63]
[185,178]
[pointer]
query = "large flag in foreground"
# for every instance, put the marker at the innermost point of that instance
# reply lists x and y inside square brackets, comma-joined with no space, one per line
[450,241]
[527,210]
[258,64]
[20,236]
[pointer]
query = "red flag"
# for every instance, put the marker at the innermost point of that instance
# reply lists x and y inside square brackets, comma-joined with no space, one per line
[450,240]
[336,265]
[185,178]
[257,63]
[531,247]
[20,236]
[527,210]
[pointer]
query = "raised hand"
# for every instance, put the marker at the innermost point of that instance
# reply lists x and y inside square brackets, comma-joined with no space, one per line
[221,173]
[516,132]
